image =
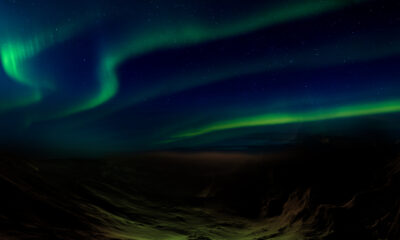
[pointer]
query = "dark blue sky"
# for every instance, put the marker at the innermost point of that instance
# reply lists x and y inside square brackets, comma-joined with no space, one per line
[111,76]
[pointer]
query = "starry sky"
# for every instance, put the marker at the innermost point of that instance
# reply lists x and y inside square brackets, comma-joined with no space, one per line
[104,77]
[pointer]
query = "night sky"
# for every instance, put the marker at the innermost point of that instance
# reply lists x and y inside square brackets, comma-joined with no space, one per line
[199,119]
[115,76]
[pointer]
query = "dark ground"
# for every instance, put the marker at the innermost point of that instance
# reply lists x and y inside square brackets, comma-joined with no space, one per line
[319,188]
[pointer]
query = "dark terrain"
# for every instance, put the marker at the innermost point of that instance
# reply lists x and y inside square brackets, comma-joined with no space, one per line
[319,188]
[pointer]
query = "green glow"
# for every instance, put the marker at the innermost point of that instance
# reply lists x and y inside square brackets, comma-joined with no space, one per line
[107,89]
[195,32]
[13,56]
[183,34]
[16,53]
[33,96]
[287,118]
